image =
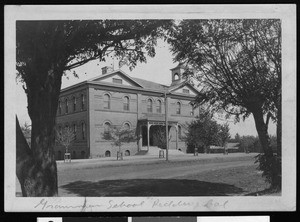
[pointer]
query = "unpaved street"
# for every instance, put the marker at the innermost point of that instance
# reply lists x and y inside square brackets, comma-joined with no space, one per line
[162,170]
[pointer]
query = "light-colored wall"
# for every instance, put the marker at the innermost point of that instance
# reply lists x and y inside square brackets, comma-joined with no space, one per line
[116,116]
[95,116]
[74,117]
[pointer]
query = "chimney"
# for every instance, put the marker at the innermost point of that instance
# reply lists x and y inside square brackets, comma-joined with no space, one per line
[106,69]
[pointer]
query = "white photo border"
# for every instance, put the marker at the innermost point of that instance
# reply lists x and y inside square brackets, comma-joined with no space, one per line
[285,202]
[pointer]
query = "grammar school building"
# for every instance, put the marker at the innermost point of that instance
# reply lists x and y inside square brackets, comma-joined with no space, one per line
[114,98]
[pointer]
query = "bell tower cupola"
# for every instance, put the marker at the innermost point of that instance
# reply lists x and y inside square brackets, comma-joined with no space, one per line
[177,74]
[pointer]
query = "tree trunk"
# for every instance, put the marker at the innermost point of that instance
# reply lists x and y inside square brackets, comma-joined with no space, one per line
[278,128]
[262,130]
[38,176]
[36,172]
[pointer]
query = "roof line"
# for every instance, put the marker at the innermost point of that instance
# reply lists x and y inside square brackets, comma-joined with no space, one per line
[113,72]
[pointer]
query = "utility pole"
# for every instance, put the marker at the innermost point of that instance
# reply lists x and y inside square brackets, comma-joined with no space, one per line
[166,123]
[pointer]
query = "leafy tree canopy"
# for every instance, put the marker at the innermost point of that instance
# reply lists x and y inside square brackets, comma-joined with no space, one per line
[72,43]
[238,62]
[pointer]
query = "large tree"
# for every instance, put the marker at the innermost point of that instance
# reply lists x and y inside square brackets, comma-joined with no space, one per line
[238,63]
[45,51]
[202,132]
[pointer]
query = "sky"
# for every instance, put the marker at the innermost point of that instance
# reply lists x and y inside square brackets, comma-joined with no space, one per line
[156,69]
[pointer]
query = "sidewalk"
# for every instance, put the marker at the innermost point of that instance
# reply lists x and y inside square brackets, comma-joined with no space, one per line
[150,159]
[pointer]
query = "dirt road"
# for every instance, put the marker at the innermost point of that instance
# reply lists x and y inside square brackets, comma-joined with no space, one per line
[154,170]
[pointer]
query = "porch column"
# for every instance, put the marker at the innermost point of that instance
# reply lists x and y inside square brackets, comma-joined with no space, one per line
[140,144]
[176,136]
[148,135]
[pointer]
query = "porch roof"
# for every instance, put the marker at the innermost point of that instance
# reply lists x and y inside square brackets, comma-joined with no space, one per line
[156,119]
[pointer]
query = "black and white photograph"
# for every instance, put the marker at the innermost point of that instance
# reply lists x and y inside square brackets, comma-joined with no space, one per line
[150,108]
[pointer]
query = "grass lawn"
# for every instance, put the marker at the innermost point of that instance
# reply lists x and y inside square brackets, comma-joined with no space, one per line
[246,178]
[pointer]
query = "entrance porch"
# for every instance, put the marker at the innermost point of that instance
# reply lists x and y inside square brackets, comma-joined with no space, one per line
[151,132]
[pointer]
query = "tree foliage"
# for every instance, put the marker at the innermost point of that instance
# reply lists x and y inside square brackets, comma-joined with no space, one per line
[223,134]
[238,62]
[205,131]
[119,136]
[76,42]
[160,135]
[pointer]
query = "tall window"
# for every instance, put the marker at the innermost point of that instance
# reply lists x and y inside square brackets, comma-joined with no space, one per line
[67,106]
[192,110]
[107,129]
[83,130]
[126,103]
[176,76]
[158,107]
[178,108]
[74,130]
[59,107]
[149,106]
[74,104]
[126,127]
[179,132]
[82,102]
[106,102]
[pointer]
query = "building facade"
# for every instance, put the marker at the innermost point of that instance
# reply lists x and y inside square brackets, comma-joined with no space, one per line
[91,107]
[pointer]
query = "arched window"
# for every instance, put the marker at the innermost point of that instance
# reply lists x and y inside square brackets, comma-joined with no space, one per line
[83,130]
[179,131]
[82,101]
[74,130]
[107,153]
[74,104]
[178,108]
[149,106]
[126,103]
[176,76]
[126,126]
[59,107]
[107,127]
[106,101]
[158,107]
[67,106]
[127,153]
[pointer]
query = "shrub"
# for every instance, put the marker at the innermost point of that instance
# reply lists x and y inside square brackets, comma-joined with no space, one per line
[271,168]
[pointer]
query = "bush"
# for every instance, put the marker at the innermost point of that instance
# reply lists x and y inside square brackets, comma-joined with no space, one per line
[271,168]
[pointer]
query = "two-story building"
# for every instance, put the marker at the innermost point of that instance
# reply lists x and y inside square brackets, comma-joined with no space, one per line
[114,98]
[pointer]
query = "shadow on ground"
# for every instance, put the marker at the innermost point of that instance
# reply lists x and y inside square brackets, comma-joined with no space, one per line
[265,192]
[150,187]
